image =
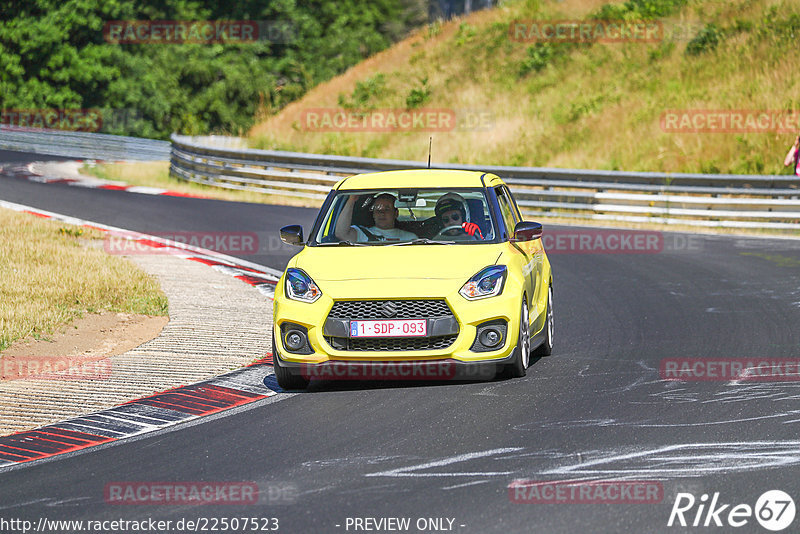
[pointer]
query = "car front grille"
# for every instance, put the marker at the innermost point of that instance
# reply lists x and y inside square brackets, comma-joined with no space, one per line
[373,309]
[397,309]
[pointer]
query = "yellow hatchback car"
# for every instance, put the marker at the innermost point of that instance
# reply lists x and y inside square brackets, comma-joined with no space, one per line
[415,274]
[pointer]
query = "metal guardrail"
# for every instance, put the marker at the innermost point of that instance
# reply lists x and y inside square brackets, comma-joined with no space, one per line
[714,200]
[717,200]
[82,145]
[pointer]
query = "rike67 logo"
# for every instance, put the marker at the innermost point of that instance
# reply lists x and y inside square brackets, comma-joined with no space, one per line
[774,510]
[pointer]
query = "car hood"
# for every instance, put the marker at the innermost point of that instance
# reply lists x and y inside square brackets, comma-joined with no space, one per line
[440,262]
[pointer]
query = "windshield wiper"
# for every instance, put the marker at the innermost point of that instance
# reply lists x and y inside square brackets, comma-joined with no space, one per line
[343,242]
[424,241]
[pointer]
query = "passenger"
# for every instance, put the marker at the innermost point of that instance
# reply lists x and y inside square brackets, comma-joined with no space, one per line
[451,211]
[385,215]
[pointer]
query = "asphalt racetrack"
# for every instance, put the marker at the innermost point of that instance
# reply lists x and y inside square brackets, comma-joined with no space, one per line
[444,454]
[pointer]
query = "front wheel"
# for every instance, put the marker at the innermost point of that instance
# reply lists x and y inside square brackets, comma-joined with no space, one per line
[546,348]
[286,379]
[521,355]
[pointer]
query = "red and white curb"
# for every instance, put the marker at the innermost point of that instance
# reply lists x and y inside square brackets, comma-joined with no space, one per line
[141,416]
[164,409]
[28,172]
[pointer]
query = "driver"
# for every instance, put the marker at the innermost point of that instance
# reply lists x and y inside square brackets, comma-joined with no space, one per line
[385,215]
[451,212]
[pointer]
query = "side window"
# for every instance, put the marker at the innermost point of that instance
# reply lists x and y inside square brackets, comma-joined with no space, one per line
[506,210]
[517,212]
[327,228]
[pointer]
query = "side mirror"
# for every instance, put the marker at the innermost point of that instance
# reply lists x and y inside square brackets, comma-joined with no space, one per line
[527,231]
[292,234]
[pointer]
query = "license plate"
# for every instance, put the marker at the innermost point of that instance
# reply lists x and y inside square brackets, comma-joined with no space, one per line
[389,328]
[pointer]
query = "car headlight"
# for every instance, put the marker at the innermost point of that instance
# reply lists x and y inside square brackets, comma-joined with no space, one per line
[300,286]
[487,283]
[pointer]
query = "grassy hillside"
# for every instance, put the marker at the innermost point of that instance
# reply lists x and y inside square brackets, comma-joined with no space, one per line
[590,105]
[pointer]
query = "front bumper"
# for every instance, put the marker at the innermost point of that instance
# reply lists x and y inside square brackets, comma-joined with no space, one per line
[467,316]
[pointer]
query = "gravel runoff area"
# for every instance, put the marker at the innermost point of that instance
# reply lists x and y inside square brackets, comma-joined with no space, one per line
[217,323]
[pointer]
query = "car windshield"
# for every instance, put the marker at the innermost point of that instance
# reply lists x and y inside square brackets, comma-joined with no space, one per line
[407,217]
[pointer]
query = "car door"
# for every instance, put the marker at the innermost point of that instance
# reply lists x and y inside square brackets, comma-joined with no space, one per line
[536,250]
[511,216]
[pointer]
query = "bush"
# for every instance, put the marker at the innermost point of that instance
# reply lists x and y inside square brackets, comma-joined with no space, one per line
[364,92]
[465,34]
[418,95]
[538,57]
[706,40]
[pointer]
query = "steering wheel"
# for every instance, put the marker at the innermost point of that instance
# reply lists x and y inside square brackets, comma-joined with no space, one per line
[450,231]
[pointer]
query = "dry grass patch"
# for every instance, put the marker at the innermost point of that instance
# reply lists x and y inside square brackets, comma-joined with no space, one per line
[52,273]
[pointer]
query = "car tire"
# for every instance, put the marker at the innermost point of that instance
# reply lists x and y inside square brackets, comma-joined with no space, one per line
[286,379]
[521,355]
[546,348]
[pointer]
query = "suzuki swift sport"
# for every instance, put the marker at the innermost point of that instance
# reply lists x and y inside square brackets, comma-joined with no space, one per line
[417,274]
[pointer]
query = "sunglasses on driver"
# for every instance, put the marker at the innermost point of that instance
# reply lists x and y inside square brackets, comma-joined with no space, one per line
[455,217]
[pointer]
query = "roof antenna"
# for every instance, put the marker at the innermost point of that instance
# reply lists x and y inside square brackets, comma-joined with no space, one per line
[430,143]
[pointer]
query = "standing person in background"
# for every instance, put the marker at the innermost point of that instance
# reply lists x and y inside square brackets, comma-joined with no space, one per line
[793,156]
